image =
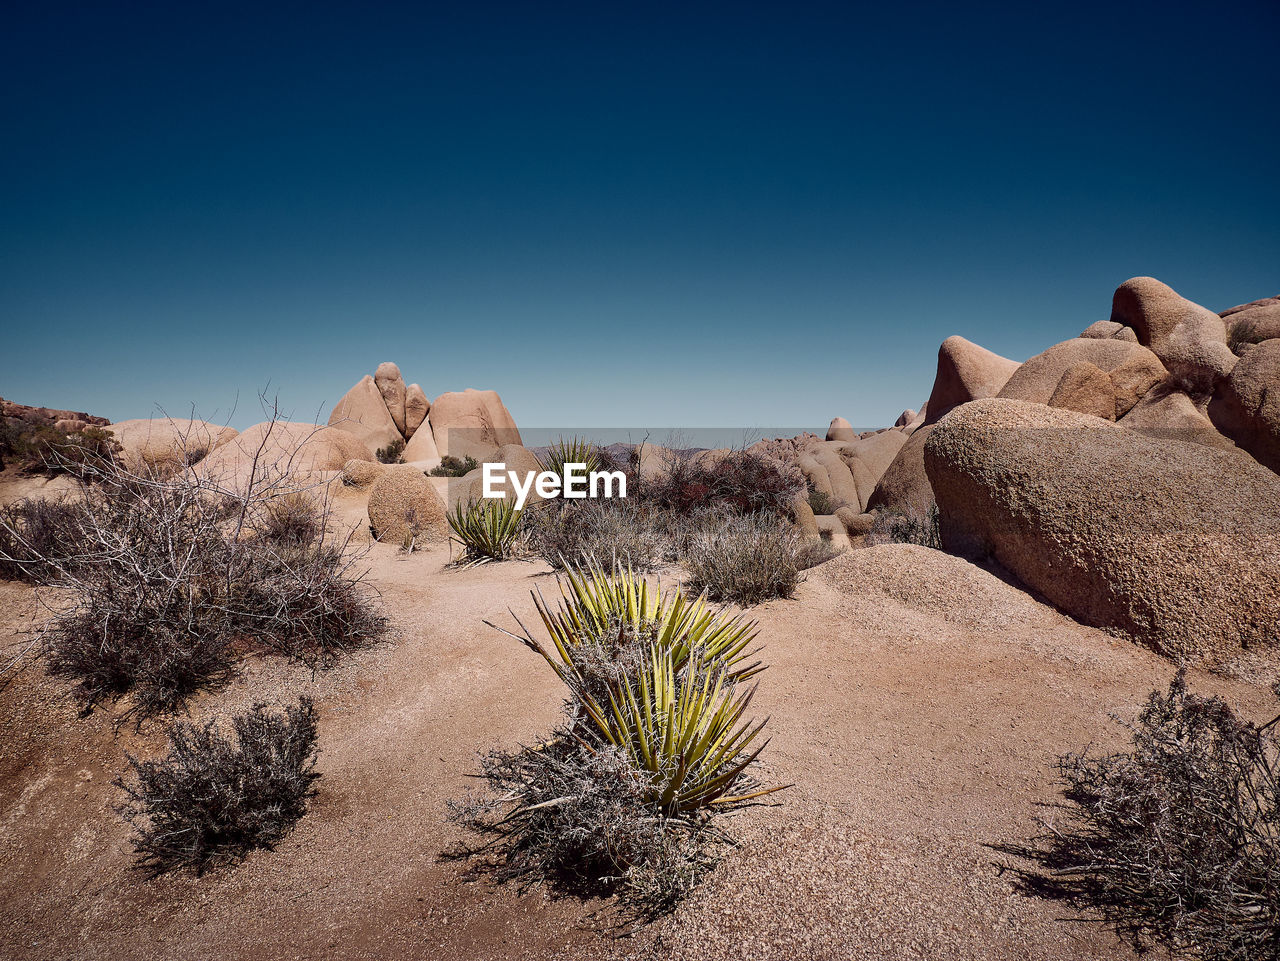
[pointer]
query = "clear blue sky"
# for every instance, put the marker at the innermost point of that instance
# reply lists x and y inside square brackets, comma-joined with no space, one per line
[684,214]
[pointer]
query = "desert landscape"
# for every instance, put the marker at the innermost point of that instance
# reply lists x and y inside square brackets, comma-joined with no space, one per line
[948,608]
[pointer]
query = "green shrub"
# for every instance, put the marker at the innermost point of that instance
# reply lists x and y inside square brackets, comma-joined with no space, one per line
[572,451]
[454,467]
[214,798]
[822,504]
[582,531]
[391,454]
[487,529]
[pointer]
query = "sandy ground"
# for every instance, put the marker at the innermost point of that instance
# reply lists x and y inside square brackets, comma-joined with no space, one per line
[917,704]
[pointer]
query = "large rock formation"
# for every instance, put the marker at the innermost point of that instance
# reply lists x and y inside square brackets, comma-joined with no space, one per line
[965,372]
[363,412]
[404,504]
[1247,406]
[1173,543]
[841,429]
[1085,389]
[48,416]
[275,449]
[905,485]
[1252,324]
[168,441]
[471,422]
[1190,340]
[1039,377]
[391,386]
[416,408]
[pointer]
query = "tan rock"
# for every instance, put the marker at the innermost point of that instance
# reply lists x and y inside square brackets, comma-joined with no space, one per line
[473,422]
[360,474]
[965,372]
[905,418]
[1038,378]
[1087,390]
[403,503]
[1171,415]
[416,408]
[1109,330]
[513,457]
[831,529]
[855,524]
[1190,340]
[168,441]
[802,513]
[905,485]
[844,489]
[1247,406]
[1174,543]
[422,448]
[1134,378]
[1253,324]
[841,429]
[391,386]
[281,449]
[878,451]
[363,413]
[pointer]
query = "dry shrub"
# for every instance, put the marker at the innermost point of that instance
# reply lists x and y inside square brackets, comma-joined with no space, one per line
[451,466]
[165,587]
[215,797]
[576,532]
[34,533]
[743,481]
[746,558]
[1177,840]
[907,526]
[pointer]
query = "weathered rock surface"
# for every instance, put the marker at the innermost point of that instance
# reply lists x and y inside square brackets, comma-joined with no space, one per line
[1173,543]
[168,441]
[391,386]
[1190,340]
[905,485]
[1247,406]
[1171,415]
[1252,324]
[282,448]
[965,372]
[1038,378]
[1087,390]
[841,429]
[1109,330]
[403,503]
[363,413]
[471,422]
[416,408]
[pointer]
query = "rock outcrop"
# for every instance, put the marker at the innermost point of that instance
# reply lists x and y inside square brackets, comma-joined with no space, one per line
[416,408]
[279,449]
[391,386]
[1038,378]
[1085,389]
[471,422]
[1247,405]
[1173,543]
[1190,340]
[168,441]
[404,504]
[841,429]
[1253,323]
[363,413]
[965,372]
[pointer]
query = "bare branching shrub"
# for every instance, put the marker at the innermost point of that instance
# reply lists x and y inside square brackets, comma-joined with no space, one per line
[174,575]
[44,449]
[1177,840]
[33,534]
[909,526]
[636,533]
[217,795]
[745,558]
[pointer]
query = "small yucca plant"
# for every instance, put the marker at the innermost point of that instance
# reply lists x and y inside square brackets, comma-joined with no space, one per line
[487,529]
[572,451]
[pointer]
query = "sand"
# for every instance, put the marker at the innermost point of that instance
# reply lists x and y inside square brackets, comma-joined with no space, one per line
[917,703]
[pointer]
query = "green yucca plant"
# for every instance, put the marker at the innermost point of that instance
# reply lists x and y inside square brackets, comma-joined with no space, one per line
[673,706]
[572,451]
[487,529]
[594,602]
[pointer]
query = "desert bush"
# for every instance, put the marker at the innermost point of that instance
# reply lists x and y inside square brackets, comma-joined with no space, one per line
[909,526]
[487,529]
[822,503]
[34,534]
[291,519]
[37,449]
[165,589]
[746,558]
[653,743]
[1178,839]
[580,531]
[743,481]
[450,466]
[215,797]
[391,454]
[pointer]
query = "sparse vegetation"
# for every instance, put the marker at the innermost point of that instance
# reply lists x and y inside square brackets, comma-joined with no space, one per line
[487,529]
[653,742]
[742,481]
[746,558]
[910,526]
[578,532]
[215,797]
[450,466]
[42,449]
[1176,841]
[572,451]
[392,453]
[168,579]
[821,503]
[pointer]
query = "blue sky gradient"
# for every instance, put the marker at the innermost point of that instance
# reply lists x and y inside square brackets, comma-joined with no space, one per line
[644,214]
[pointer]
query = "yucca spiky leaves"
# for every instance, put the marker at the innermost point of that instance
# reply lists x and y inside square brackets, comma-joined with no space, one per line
[487,528]
[572,451]
[676,705]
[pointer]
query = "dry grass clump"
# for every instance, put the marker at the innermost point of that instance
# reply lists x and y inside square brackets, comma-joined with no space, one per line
[578,532]
[749,558]
[622,798]
[215,797]
[743,481]
[1176,841]
[166,579]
